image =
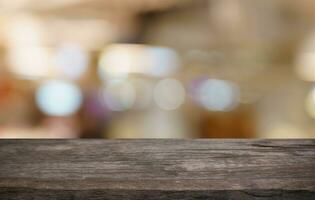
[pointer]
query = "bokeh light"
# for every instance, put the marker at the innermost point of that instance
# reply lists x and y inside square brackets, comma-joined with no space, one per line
[24,30]
[218,95]
[71,61]
[30,62]
[286,131]
[120,60]
[163,61]
[58,98]
[306,66]
[305,63]
[310,103]
[118,95]
[169,94]
[115,61]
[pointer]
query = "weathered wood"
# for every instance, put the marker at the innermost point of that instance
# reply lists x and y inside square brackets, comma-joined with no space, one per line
[157,169]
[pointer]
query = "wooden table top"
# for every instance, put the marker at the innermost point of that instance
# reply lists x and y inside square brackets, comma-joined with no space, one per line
[157,169]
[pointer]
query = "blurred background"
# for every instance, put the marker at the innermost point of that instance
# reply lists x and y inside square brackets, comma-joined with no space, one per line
[157,69]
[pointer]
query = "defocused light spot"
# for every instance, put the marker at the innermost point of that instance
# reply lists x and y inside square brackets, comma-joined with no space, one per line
[218,95]
[169,94]
[286,131]
[310,103]
[115,61]
[26,58]
[305,63]
[94,106]
[58,98]
[194,85]
[71,61]
[30,62]
[306,66]
[163,61]
[24,30]
[119,96]
[119,60]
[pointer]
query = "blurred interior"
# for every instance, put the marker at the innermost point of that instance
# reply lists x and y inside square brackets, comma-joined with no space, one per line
[157,69]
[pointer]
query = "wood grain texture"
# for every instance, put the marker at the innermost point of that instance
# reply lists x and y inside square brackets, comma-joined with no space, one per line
[157,169]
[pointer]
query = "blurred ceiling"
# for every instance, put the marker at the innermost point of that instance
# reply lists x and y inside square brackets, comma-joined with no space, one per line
[87,7]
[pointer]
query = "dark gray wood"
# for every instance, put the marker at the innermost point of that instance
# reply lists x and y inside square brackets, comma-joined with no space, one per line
[157,169]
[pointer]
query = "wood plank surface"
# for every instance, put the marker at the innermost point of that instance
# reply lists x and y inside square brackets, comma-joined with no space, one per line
[157,169]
